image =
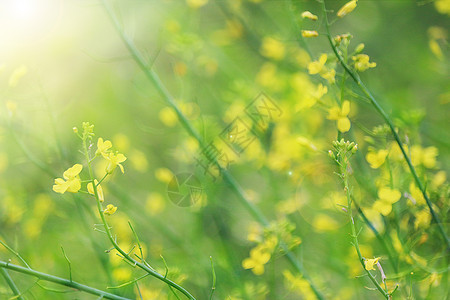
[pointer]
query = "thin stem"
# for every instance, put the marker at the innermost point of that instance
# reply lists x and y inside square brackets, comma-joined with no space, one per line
[113,241]
[12,284]
[388,121]
[235,187]
[61,281]
[343,170]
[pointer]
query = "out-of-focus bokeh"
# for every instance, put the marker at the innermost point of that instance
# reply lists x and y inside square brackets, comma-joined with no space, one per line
[63,63]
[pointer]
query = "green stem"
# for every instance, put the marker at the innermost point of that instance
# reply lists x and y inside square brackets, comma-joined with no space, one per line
[113,241]
[343,170]
[61,281]
[388,121]
[235,187]
[11,283]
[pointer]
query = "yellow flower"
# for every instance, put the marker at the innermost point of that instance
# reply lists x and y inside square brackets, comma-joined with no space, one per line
[316,67]
[423,219]
[99,190]
[424,156]
[72,181]
[347,8]
[272,48]
[103,148]
[362,63]
[387,197]
[340,115]
[369,263]
[376,158]
[308,15]
[258,258]
[114,160]
[110,209]
[309,33]
[329,75]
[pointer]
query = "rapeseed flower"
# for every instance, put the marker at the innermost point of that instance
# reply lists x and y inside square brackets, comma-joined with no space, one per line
[72,182]
[340,115]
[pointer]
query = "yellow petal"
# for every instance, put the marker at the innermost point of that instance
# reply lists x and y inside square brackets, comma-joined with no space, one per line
[382,207]
[345,108]
[248,263]
[74,185]
[258,270]
[389,195]
[60,186]
[343,124]
[72,172]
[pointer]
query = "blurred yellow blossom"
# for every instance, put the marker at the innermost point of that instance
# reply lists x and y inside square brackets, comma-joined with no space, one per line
[386,197]
[316,67]
[168,116]
[154,204]
[435,49]
[369,263]
[442,6]
[324,222]
[138,160]
[424,156]
[259,256]
[72,182]
[340,115]
[423,218]
[376,158]
[99,190]
[299,285]
[347,8]
[164,175]
[272,48]
[362,63]
[122,274]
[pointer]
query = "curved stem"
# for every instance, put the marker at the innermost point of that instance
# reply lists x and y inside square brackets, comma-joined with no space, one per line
[141,265]
[388,121]
[234,186]
[61,281]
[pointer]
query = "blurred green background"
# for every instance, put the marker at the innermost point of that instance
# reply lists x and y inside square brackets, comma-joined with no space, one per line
[62,63]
